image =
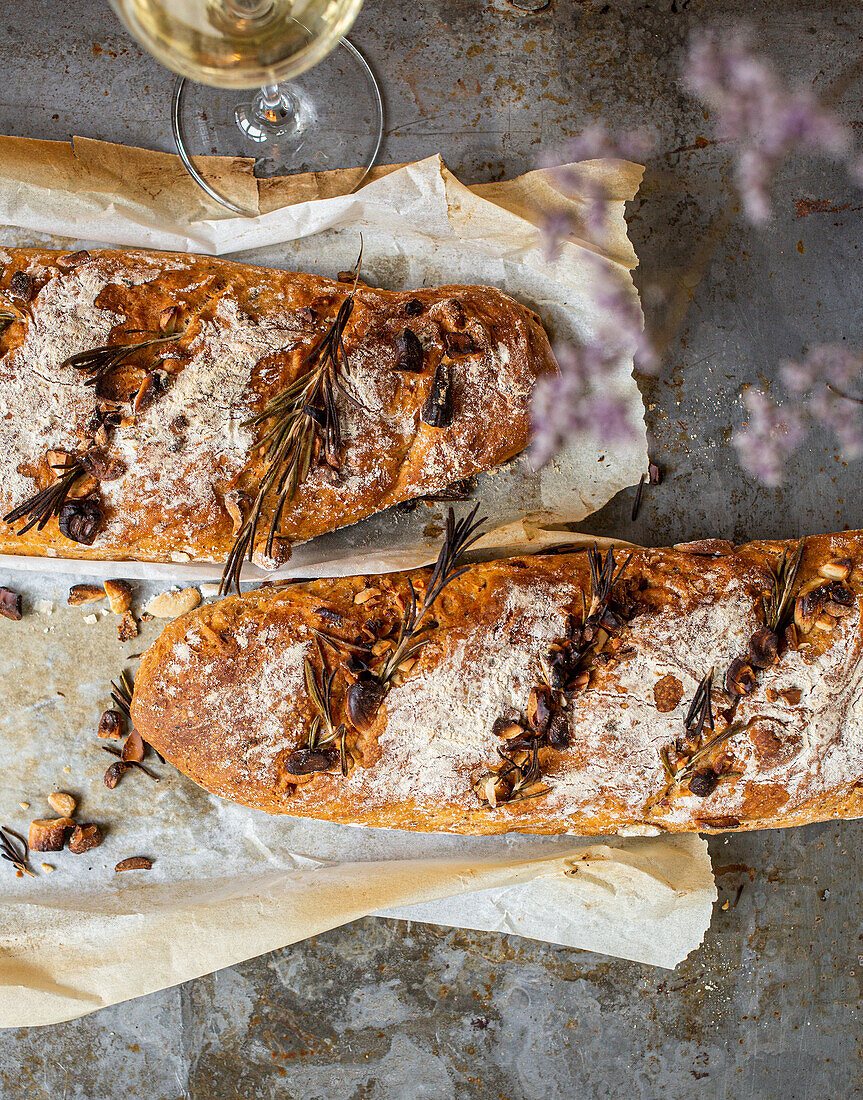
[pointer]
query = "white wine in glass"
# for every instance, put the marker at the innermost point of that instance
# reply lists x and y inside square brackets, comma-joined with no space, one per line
[331,119]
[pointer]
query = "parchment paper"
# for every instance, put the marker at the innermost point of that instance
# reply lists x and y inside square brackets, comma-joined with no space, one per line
[229,883]
[420,226]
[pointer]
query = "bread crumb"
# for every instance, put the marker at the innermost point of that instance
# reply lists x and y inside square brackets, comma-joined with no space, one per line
[47,868]
[208,590]
[168,605]
[90,619]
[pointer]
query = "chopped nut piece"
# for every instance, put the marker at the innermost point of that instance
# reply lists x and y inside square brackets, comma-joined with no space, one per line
[169,605]
[791,696]
[115,773]
[133,748]
[703,782]
[366,594]
[110,725]
[22,285]
[836,570]
[24,805]
[119,595]
[10,604]
[49,834]
[62,803]
[237,505]
[838,600]
[558,731]
[764,648]
[134,863]
[47,868]
[127,628]
[84,838]
[824,622]
[505,728]
[85,593]
[492,789]
[805,613]
[539,708]
[740,677]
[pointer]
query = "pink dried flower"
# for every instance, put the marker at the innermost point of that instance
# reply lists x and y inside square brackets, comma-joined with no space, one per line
[771,437]
[823,386]
[566,405]
[581,399]
[754,108]
[571,173]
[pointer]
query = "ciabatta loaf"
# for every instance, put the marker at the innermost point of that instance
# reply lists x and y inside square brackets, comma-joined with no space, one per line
[135,389]
[705,687]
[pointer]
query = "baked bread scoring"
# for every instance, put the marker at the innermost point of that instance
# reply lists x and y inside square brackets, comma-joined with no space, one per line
[128,381]
[704,687]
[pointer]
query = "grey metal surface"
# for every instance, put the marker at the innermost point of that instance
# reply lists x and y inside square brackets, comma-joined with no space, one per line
[770,1005]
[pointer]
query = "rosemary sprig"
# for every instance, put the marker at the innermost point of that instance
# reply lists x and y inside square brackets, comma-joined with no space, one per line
[121,693]
[97,362]
[323,730]
[365,696]
[781,599]
[14,848]
[48,502]
[303,426]
[458,538]
[718,739]
[699,717]
[603,578]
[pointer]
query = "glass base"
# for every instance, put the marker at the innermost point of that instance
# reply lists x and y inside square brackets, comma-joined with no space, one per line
[330,117]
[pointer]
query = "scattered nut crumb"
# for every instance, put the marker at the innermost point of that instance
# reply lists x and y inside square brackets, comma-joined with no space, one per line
[49,834]
[68,768]
[133,747]
[90,619]
[63,803]
[110,725]
[24,805]
[128,628]
[726,904]
[115,773]
[47,868]
[10,604]
[134,863]
[119,596]
[85,593]
[84,838]
[168,605]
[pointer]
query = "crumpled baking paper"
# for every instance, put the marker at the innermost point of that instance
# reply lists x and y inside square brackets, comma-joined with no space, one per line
[420,227]
[229,883]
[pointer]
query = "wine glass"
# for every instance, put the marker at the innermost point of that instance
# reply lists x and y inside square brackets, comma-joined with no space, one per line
[332,118]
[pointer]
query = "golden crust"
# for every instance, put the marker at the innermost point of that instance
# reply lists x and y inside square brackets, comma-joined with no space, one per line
[221,695]
[247,332]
